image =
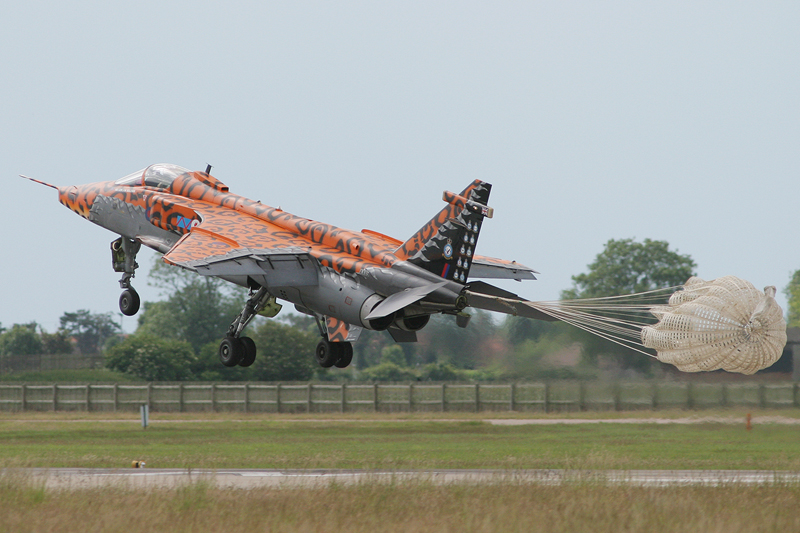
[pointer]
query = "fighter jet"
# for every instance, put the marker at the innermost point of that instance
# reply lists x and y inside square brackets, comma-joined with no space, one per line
[347,280]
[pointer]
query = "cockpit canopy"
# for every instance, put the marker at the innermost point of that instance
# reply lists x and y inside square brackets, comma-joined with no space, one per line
[160,175]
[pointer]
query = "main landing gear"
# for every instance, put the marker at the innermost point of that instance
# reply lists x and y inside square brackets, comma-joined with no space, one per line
[235,349]
[338,354]
[330,353]
[123,259]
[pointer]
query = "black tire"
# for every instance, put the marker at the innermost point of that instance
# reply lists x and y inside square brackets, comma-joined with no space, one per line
[346,355]
[249,353]
[327,353]
[230,351]
[129,302]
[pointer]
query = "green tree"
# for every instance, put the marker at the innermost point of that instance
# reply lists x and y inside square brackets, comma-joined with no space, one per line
[90,330]
[792,292]
[442,341]
[441,372]
[152,358]
[285,353]
[198,309]
[518,329]
[389,372]
[628,267]
[21,339]
[394,354]
[59,342]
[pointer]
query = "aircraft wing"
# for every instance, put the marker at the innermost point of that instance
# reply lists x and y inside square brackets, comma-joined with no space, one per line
[489,267]
[232,245]
[279,267]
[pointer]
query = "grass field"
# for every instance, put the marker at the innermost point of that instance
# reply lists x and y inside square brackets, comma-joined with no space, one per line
[399,442]
[370,442]
[408,507]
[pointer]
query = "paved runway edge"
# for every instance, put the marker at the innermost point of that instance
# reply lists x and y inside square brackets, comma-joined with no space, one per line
[77,478]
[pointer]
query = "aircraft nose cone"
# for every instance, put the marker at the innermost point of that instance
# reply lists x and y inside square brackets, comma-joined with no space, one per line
[72,198]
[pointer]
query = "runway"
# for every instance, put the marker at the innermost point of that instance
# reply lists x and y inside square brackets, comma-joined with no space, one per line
[144,478]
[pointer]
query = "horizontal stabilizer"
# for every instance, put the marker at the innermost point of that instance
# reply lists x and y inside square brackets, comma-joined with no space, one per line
[402,299]
[490,290]
[509,306]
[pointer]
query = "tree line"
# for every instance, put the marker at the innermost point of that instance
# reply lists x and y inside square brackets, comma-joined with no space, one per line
[177,337]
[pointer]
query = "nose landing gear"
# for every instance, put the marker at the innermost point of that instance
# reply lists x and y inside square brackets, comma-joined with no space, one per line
[123,259]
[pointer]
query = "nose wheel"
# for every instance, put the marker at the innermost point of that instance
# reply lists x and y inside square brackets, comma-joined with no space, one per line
[129,302]
[123,259]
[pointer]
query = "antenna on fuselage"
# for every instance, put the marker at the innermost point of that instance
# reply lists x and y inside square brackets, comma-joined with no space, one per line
[208,169]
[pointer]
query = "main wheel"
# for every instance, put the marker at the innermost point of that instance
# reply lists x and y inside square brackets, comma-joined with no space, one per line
[327,353]
[346,355]
[231,351]
[249,352]
[129,302]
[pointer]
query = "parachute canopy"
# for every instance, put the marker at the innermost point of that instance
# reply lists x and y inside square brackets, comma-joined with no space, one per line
[706,325]
[726,323]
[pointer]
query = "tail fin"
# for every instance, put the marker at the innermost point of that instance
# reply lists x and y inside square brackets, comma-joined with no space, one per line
[446,244]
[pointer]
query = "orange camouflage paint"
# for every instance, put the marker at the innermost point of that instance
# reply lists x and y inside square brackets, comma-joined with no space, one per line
[455,204]
[198,201]
[204,203]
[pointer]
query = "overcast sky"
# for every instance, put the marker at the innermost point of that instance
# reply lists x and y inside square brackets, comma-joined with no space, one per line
[676,121]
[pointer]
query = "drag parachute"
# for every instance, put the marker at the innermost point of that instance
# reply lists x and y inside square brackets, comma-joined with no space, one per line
[726,323]
[700,326]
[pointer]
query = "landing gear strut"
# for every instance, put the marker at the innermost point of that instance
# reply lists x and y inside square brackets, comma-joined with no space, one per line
[235,349]
[123,259]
